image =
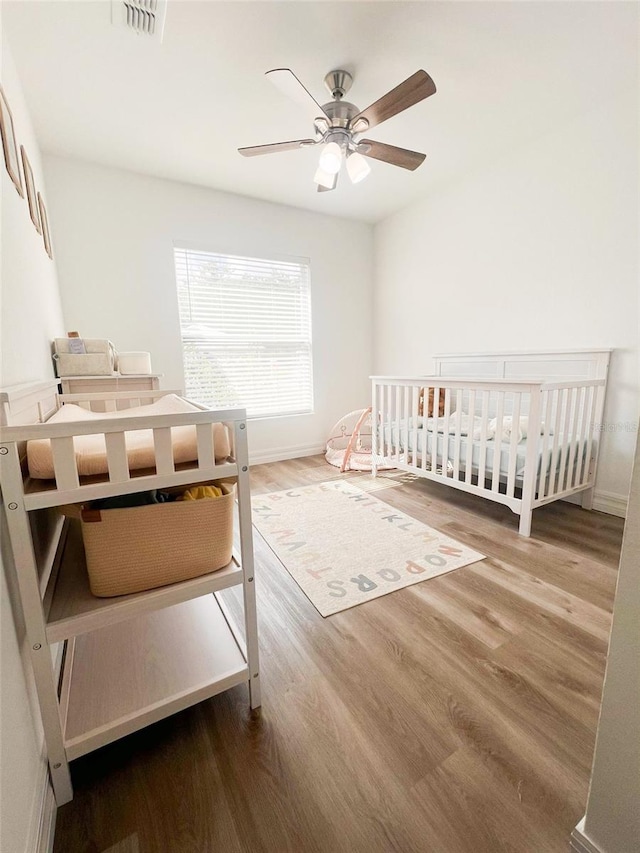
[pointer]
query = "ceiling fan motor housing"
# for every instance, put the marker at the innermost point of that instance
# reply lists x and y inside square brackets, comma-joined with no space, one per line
[340,113]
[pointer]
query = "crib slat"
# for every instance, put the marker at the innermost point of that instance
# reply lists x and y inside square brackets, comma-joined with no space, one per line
[564,447]
[472,411]
[389,421]
[204,438]
[591,427]
[444,438]
[64,463]
[393,394]
[513,444]
[582,436]
[484,415]
[559,396]
[497,448]
[110,405]
[579,451]
[394,416]
[380,424]
[573,426]
[163,450]
[374,427]
[415,397]
[424,436]
[383,423]
[117,457]
[405,441]
[398,441]
[543,484]
[457,440]
[434,429]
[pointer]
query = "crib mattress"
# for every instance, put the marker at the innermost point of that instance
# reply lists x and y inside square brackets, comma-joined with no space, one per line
[421,441]
[90,450]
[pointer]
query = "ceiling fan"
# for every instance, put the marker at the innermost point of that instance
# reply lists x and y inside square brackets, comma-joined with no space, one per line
[338,125]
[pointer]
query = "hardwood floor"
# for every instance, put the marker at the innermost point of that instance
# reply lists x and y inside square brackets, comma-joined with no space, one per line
[453,716]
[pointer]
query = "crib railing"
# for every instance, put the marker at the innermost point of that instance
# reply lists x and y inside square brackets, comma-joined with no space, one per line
[469,445]
[571,412]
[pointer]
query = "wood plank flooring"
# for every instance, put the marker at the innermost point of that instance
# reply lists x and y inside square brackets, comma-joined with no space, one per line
[453,716]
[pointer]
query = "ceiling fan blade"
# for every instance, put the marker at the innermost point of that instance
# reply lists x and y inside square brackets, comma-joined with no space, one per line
[414,89]
[274,147]
[390,154]
[285,80]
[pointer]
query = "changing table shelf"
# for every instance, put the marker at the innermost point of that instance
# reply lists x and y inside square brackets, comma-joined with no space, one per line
[40,494]
[73,610]
[127,676]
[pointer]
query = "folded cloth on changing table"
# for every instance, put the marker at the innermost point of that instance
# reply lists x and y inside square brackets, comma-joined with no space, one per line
[91,452]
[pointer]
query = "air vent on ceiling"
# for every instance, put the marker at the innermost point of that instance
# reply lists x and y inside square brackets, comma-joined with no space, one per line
[143,17]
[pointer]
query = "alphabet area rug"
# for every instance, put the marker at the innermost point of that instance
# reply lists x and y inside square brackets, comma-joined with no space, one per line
[343,546]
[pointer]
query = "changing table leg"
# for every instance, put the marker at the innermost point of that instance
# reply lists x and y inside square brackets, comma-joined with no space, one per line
[26,572]
[248,563]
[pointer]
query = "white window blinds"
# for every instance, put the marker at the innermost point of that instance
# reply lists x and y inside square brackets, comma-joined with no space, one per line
[246,332]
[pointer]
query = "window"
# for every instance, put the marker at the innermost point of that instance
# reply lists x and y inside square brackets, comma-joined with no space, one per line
[246,332]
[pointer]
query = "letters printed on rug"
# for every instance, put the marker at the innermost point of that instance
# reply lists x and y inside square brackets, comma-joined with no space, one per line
[343,546]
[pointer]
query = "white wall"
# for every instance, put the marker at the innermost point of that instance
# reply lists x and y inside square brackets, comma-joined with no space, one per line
[31,315]
[538,250]
[612,821]
[116,232]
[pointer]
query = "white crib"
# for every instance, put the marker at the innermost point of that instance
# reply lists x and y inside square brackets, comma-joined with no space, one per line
[559,395]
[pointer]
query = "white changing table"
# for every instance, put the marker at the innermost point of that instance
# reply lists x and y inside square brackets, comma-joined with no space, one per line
[132,660]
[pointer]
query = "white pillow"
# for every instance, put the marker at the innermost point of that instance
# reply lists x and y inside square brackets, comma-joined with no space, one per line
[521,428]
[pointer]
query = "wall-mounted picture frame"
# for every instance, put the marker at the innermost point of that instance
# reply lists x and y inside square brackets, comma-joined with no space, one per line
[45,226]
[9,145]
[32,198]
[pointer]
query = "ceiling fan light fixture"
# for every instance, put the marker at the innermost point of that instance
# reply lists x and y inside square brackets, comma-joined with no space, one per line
[325,179]
[331,158]
[357,167]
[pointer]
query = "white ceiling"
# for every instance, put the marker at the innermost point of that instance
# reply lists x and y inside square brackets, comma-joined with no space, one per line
[506,73]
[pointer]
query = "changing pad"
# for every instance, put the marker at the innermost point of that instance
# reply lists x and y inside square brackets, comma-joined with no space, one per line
[90,450]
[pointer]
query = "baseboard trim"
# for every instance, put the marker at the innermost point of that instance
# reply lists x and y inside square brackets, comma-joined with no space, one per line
[611,503]
[581,843]
[277,454]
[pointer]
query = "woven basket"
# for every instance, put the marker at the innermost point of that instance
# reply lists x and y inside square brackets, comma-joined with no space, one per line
[139,548]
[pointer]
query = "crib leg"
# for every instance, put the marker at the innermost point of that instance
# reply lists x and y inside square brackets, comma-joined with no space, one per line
[586,499]
[524,528]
